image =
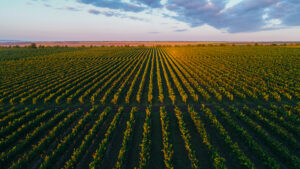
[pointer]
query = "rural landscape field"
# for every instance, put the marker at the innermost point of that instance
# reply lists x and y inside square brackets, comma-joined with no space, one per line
[149,84]
[185,107]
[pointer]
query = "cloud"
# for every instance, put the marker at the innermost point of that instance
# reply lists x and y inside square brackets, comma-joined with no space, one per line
[287,11]
[71,8]
[94,11]
[114,4]
[46,5]
[150,3]
[105,13]
[113,14]
[244,16]
[134,18]
[180,30]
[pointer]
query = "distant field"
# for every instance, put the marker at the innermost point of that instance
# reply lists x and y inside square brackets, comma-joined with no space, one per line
[103,43]
[150,107]
[136,43]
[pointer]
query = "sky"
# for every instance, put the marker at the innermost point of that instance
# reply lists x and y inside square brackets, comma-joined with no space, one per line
[150,20]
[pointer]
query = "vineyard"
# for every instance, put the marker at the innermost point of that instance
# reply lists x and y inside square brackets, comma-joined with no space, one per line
[184,107]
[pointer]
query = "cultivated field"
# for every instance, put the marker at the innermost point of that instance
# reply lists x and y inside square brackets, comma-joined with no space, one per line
[136,43]
[150,107]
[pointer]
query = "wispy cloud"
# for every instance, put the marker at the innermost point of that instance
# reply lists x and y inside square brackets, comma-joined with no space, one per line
[70,8]
[46,5]
[106,13]
[94,11]
[113,14]
[114,4]
[180,30]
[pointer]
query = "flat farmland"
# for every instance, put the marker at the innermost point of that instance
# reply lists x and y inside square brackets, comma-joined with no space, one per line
[184,107]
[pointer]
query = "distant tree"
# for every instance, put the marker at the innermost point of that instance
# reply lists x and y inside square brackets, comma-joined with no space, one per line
[256,44]
[32,45]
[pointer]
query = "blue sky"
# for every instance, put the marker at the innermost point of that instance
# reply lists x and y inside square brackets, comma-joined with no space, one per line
[150,20]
